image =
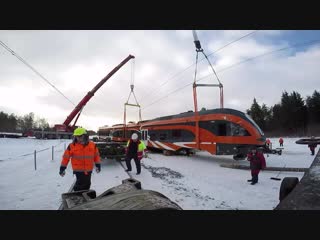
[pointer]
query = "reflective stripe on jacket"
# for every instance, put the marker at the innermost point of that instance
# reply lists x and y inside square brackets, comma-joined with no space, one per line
[82,157]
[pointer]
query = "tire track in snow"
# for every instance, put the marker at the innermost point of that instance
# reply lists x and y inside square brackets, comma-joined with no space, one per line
[170,178]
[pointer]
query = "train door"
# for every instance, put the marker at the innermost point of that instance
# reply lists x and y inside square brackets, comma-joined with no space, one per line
[144,136]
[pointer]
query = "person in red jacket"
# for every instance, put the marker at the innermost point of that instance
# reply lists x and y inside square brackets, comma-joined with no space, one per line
[312,145]
[268,144]
[281,142]
[84,154]
[257,162]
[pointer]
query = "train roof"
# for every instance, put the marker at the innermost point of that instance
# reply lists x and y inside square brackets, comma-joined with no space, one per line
[204,112]
[189,114]
[212,111]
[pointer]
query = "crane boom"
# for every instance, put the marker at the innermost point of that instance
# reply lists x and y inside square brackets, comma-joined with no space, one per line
[66,125]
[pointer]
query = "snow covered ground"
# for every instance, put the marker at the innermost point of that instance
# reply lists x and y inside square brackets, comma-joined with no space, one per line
[194,183]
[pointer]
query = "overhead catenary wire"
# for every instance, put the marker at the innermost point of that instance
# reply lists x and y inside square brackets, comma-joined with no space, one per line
[233,65]
[34,70]
[180,72]
[262,55]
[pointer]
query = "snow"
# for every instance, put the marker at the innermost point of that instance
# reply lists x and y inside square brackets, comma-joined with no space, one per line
[194,183]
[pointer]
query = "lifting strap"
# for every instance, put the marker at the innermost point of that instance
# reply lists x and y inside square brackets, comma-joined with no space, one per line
[130,104]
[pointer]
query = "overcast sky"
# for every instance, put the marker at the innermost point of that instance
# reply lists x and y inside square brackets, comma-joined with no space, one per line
[75,61]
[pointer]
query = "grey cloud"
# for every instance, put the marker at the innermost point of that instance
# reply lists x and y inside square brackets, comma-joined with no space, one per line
[55,53]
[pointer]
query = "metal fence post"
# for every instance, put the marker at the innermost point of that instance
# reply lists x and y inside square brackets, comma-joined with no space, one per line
[64,146]
[35,160]
[52,152]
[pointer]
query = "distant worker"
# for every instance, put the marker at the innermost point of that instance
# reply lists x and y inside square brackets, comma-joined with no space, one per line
[268,144]
[134,149]
[312,145]
[257,162]
[84,154]
[281,142]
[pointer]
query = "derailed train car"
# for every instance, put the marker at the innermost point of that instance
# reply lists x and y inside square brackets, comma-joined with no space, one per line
[220,131]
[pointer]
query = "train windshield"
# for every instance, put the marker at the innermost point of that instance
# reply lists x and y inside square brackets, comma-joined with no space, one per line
[254,124]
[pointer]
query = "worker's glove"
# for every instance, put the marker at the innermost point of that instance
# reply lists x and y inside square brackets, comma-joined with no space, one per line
[98,168]
[62,171]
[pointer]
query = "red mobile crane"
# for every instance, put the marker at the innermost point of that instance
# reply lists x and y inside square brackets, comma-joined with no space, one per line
[65,130]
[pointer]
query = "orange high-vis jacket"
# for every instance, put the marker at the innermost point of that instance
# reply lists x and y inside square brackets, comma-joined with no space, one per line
[83,157]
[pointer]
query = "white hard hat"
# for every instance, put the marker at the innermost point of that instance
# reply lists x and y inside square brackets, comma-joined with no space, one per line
[134,136]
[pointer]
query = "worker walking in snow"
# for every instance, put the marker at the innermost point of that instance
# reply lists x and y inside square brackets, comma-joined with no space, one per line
[84,155]
[281,142]
[257,162]
[268,144]
[134,149]
[312,146]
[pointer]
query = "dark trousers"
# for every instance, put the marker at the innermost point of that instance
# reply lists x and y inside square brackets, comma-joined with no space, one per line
[254,174]
[136,161]
[83,181]
[312,151]
[281,144]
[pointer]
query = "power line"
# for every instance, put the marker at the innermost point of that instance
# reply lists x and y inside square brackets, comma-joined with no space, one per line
[34,70]
[233,65]
[178,89]
[238,39]
[231,43]
[262,55]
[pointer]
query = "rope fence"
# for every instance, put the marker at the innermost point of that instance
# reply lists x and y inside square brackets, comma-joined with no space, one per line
[34,153]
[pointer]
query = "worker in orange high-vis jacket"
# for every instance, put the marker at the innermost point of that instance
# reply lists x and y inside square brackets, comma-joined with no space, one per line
[84,155]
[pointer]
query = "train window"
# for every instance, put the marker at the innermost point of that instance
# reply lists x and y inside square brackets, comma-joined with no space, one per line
[222,129]
[117,134]
[171,135]
[176,133]
[187,136]
[129,134]
[163,136]
[153,137]
[237,130]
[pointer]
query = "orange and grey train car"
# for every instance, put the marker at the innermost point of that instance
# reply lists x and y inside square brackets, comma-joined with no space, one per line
[221,132]
[116,132]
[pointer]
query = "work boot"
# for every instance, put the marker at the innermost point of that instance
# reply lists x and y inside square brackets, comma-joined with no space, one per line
[250,180]
[253,183]
[138,173]
[127,170]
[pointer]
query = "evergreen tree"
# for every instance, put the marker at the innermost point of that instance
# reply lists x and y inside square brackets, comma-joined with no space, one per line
[313,106]
[257,114]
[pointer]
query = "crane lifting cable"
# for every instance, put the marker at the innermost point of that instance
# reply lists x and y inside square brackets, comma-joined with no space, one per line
[195,85]
[130,104]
